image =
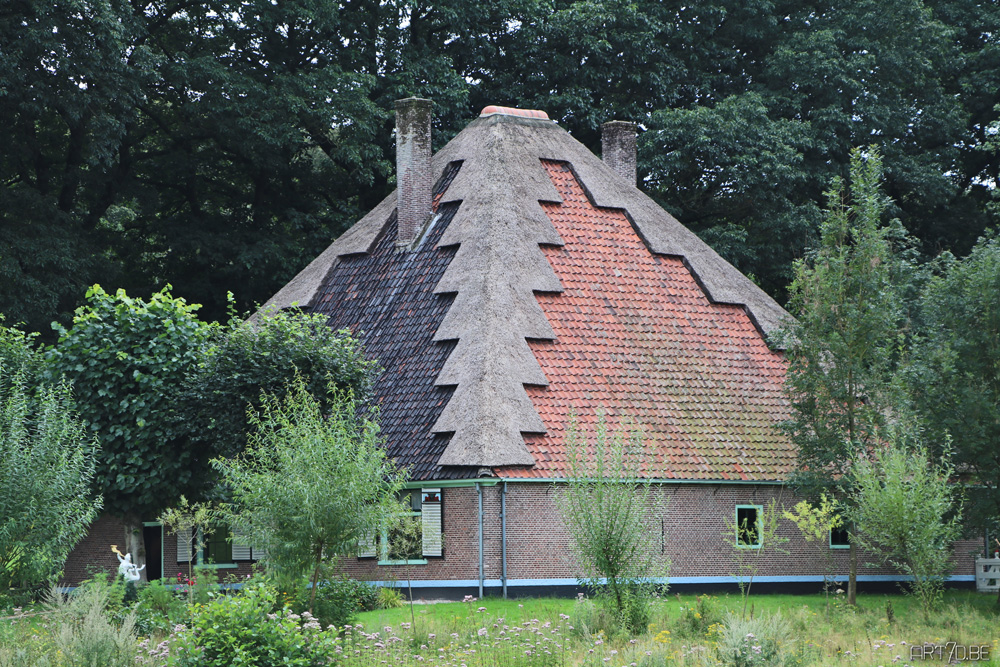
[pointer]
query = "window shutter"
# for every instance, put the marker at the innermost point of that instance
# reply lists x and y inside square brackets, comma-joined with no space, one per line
[430,517]
[185,545]
[241,549]
[258,553]
[366,546]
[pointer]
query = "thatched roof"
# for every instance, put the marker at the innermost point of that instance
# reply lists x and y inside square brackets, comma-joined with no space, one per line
[488,250]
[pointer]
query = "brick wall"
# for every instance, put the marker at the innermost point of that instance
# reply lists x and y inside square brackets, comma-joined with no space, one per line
[693,524]
[538,545]
[93,554]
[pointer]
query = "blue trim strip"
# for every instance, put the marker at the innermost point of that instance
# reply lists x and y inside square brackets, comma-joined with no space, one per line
[497,583]
[807,578]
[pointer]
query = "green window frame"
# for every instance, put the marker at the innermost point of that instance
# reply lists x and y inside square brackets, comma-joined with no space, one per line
[748,537]
[839,538]
[384,539]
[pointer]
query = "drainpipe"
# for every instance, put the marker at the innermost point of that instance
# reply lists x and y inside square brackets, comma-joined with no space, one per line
[503,537]
[479,491]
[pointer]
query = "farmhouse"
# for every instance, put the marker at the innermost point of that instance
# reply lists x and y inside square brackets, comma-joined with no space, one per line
[515,281]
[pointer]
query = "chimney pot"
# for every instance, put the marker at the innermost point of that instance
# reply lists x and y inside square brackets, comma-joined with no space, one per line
[413,168]
[618,148]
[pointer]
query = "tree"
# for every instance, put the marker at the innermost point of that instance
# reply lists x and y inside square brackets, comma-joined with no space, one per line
[610,510]
[74,76]
[196,518]
[904,511]
[310,486]
[125,356]
[47,462]
[816,523]
[842,349]
[956,372]
[247,359]
[218,143]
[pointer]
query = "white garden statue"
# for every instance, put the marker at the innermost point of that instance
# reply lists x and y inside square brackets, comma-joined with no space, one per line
[126,567]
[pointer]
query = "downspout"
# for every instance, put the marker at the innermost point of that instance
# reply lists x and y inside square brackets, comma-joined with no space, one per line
[479,491]
[503,538]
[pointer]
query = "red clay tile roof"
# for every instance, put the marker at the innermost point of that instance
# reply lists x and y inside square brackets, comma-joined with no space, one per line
[637,337]
[491,331]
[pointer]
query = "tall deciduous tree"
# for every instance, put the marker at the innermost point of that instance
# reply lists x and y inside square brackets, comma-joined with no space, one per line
[843,347]
[125,356]
[46,465]
[311,486]
[956,372]
[216,144]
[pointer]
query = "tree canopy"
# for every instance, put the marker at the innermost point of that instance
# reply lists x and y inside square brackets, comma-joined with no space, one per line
[843,347]
[219,145]
[125,357]
[956,372]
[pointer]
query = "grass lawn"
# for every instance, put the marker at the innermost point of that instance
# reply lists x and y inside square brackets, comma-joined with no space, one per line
[686,629]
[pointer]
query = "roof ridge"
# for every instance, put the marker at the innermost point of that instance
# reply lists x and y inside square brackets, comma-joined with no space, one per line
[495,271]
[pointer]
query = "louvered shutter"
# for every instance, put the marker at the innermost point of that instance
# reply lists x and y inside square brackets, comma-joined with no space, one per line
[241,549]
[185,545]
[430,518]
[366,546]
[259,553]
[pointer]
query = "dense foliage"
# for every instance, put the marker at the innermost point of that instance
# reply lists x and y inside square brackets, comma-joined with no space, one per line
[47,462]
[248,359]
[956,374]
[903,505]
[311,484]
[126,357]
[843,346]
[217,145]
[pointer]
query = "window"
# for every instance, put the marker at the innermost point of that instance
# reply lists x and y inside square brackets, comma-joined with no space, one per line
[403,545]
[221,548]
[417,538]
[217,549]
[839,538]
[748,526]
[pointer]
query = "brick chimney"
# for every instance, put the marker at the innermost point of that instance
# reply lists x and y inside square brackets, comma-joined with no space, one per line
[618,148]
[413,168]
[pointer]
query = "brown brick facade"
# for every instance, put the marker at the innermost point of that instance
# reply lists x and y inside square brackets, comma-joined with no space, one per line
[94,555]
[538,545]
[694,523]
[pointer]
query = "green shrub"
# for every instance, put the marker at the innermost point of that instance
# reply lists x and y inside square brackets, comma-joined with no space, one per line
[389,598]
[631,607]
[753,642]
[85,634]
[593,620]
[158,608]
[340,599]
[206,584]
[244,630]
